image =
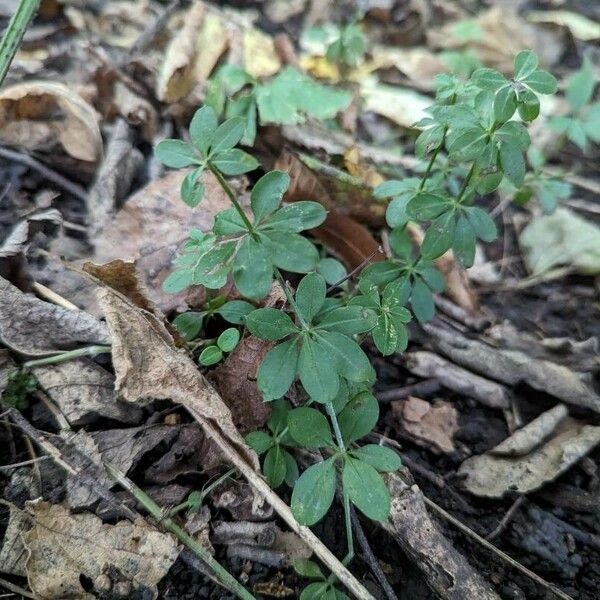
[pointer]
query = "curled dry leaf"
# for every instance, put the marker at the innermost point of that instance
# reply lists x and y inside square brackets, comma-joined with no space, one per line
[84,391]
[36,328]
[493,476]
[64,548]
[149,366]
[38,115]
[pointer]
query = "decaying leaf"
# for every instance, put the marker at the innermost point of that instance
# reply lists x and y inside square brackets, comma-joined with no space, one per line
[429,425]
[580,26]
[148,366]
[493,476]
[13,555]
[38,115]
[562,238]
[85,391]
[34,327]
[64,548]
[260,56]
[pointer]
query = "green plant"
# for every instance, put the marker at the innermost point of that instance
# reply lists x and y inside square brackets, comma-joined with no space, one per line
[470,143]
[321,587]
[349,47]
[582,122]
[19,384]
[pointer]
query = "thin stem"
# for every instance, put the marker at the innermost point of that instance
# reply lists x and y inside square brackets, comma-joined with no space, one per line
[466,182]
[65,356]
[224,577]
[14,34]
[231,195]
[290,297]
[432,161]
[346,498]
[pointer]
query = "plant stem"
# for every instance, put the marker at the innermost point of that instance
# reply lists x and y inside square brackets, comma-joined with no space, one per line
[224,577]
[290,298]
[14,33]
[432,161]
[466,182]
[346,499]
[231,195]
[65,356]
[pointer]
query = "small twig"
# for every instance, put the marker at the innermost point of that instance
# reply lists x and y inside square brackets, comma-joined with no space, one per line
[153,29]
[23,463]
[425,388]
[370,558]
[52,296]
[354,271]
[505,519]
[16,589]
[57,178]
[65,356]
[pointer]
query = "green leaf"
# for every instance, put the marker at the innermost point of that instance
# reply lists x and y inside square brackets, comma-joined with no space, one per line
[580,88]
[235,311]
[516,133]
[513,163]
[488,79]
[291,467]
[421,300]
[315,591]
[379,457]
[202,128]
[234,162]
[469,145]
[396,214]
[274,466]
[526,63]
[529,106]
[352,362]
[389,335]
[358,417]
[425,206]
[192,189]
[259,441]
[278,420]
[482,223]
[317,371]
[310,295]
[308,568]
[432,277]
[229,222]
[314,492]
[252,269]
[267,193]
[332,270]
[227,135]
[211,355]
[542,82]
[464,242]
[505,103]
[229,339]
[390,188]
[310,428]
[296,217]
[486,183]
[177,281]
[270,324]
[348,320]
[366,489]
[188,324]
[439,236]
[175,154]
[278,369]
[292,252]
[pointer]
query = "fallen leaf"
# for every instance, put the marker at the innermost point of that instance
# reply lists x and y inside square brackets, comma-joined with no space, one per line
[562,238]
[430,425]
[39,115]
[148,366]
[260,57]
[84,391]
[64,548]
[492,476]
[13,555]
[36,328]
[580,26]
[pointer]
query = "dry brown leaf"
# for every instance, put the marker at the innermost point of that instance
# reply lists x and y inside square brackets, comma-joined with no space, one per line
[148,366]
[39,115]
[63,547]
[84,391]
[493,476]
[432,426]
[36,328]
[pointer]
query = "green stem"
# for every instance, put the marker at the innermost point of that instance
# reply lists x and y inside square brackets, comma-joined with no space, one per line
[466,182]
[205,492]
[432,161]
[346,499]
[224,577]
[290,298]
[231,195]
[65,356]
[14,34]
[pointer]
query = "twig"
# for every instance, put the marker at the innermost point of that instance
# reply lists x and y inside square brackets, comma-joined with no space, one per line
[511,561]
[57,178]
[65,356]
[16,589]
[52,296]
[23,463]
[354,271]
[153,29]
[370,558]
[505,519]
[425,388]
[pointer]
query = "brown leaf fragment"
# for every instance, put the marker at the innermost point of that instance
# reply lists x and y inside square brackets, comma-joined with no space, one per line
[13,555]
[148,366]
[63,547]
[36,328]
[84,391]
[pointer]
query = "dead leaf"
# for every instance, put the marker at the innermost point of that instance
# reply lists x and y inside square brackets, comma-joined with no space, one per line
[432,426]
[148,366]
[260,56]
[65,547]
[492,476]
[581,27]
[84,391]
[36,328]
[13,555]
[39,115]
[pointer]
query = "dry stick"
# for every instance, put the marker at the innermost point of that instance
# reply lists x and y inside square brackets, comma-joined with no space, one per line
[48,173]
[52,296]
[370,558]
[16,589]
[505,519]
[511,561]
[23,463]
